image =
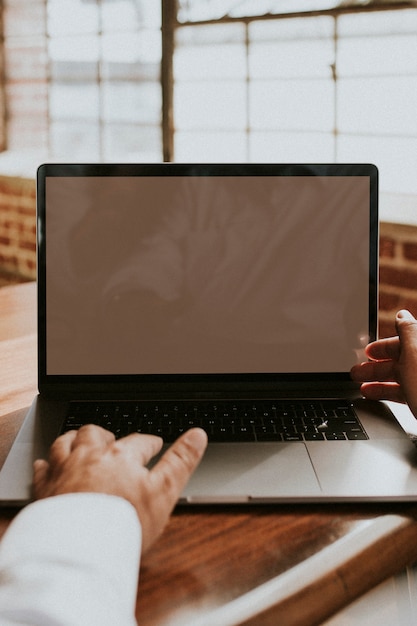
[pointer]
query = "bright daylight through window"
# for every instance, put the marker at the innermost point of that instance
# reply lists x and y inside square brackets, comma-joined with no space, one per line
[219,80]
[322,85]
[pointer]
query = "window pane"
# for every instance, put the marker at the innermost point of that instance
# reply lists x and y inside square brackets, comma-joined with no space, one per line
[131,142]
[292,59]
[378,23]
[370,56]
[292,104]
[80,140]
[378,105]
[142,46]
[124,15]
[213,34]
[210,105]
[205,52]
[130,15]
[291,147]
[210,146]
[293,30]
[72,101]
[82,48]
[72,16]
[395,158]
[130,101]
[74,58]
[134,56]
[207,62]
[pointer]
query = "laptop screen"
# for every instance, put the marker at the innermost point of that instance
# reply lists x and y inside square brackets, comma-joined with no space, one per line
[195,270]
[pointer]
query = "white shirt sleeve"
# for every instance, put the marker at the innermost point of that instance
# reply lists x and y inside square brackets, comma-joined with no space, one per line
[71,560]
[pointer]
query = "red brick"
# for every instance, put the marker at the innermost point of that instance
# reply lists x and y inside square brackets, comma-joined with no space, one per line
[409,303]
[387,247]
[386,329]
[8,259]
[398,277]
[27,245]
[388,301]
[24,210]
[410,251]
[18,227]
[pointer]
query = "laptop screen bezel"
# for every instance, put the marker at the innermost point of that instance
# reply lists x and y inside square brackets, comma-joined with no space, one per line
[149,384]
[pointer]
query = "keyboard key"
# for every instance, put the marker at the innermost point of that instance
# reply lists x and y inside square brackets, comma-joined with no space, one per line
[292,437]
[313,436]
[356,436]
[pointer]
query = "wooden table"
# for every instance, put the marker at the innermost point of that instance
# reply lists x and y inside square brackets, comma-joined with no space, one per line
[230,565]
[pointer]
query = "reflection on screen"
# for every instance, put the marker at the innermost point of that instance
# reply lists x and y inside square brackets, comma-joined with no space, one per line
[177,274]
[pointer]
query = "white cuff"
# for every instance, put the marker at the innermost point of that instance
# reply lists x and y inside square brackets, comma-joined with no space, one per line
[71,559]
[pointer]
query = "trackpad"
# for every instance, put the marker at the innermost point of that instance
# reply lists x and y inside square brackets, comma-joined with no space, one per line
[240,472]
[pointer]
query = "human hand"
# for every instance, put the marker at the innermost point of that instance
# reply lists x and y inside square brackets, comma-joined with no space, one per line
[391,372]
[91,460]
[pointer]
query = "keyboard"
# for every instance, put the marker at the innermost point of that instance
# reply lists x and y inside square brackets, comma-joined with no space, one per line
[224,421]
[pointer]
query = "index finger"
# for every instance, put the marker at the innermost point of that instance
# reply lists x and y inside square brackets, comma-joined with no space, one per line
[174,469]
[384,349]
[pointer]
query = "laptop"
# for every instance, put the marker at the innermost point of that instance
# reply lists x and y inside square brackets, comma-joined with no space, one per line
[235,297]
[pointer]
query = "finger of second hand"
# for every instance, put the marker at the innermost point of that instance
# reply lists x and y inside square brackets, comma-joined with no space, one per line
[383,391]
[382,371]
[384,349]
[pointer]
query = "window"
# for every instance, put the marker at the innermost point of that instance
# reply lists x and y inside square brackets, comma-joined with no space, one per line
[332,84]
[235,80]
[105,78]
[90,71]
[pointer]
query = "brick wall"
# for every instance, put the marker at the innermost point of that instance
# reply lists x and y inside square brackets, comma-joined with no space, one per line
[18,226]
[397,274]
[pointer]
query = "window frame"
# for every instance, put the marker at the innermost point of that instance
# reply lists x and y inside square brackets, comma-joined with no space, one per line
[170,24]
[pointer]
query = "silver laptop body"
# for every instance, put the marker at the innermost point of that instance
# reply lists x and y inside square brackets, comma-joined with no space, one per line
[208,282]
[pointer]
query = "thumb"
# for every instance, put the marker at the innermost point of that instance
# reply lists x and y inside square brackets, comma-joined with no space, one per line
[406,325]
